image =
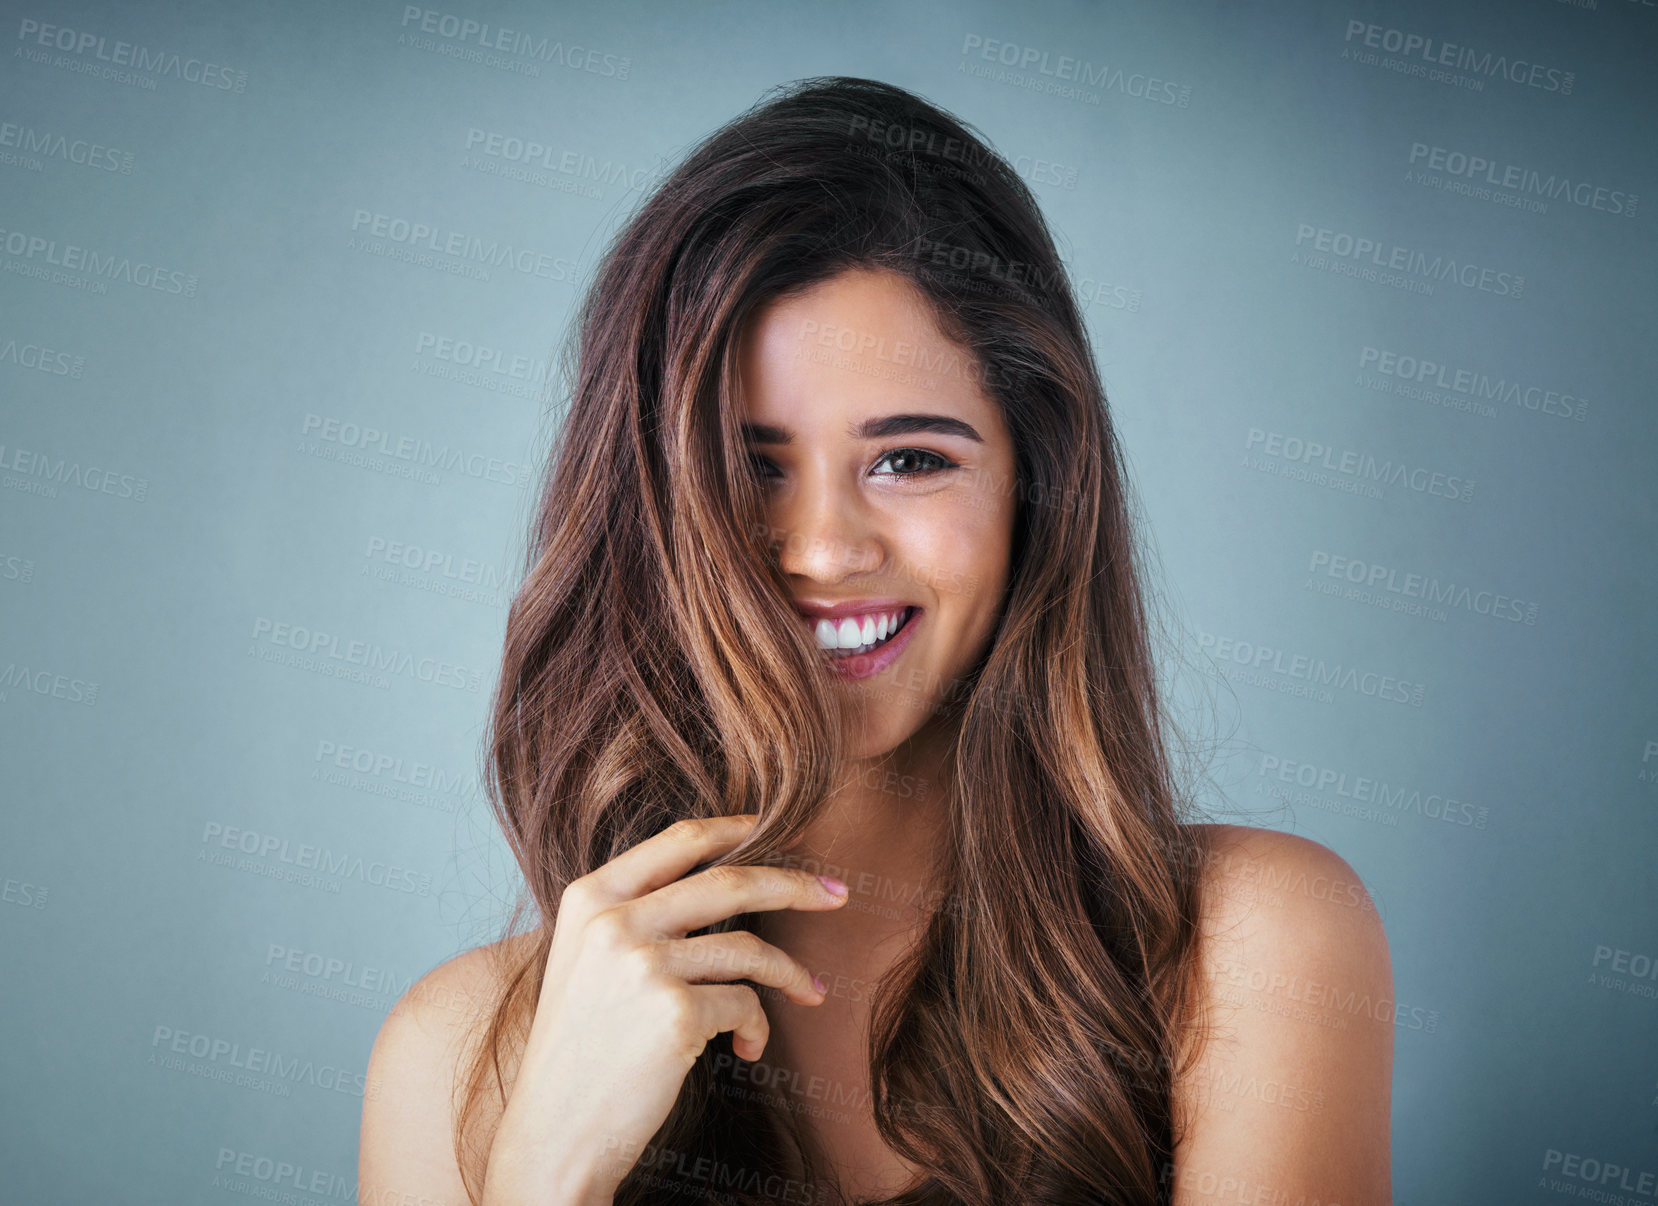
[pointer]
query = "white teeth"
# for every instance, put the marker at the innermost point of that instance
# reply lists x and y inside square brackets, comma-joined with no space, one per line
[857,632]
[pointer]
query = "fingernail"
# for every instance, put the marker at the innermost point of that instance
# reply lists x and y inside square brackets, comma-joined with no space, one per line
[822,985]
[833,884]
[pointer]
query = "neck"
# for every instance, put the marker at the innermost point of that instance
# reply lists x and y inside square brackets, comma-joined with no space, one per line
[884,823]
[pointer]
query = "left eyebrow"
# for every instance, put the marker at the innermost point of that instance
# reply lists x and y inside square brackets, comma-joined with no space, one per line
[873,429]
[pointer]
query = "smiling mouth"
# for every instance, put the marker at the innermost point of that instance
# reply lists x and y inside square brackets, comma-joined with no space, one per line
[832,633]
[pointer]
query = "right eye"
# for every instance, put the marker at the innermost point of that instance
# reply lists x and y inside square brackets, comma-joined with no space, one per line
[763,469]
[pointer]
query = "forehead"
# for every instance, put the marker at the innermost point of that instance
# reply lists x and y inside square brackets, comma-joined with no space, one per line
[865,341]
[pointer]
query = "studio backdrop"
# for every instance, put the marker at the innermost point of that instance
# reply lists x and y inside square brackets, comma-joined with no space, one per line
[1372,291]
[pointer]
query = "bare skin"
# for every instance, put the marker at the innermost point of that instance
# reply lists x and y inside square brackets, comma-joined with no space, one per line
[858,517]
[861,518]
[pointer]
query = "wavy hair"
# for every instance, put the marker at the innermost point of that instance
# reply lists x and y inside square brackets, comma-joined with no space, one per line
[1026,1048]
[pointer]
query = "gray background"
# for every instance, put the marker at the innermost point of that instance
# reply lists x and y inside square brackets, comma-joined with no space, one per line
[184,496]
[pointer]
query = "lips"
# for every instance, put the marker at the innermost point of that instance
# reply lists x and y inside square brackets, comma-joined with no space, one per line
[861,622]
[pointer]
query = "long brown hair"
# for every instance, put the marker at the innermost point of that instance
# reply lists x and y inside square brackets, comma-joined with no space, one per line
[1025,1050]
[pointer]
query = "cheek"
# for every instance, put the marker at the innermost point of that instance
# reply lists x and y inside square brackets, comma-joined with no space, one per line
[959,553]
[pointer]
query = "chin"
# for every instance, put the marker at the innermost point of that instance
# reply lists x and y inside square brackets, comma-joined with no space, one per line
[885,717]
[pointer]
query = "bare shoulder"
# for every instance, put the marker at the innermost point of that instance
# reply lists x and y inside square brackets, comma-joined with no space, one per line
[1271,886]
[1292,1088]
[416,1076]
[1278,906]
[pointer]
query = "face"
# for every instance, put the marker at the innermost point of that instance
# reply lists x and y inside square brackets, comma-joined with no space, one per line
[889,483]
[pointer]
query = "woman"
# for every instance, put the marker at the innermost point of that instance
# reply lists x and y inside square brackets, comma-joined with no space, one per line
[833,576]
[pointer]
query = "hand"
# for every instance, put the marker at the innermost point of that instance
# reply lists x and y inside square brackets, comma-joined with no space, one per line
[627,1006]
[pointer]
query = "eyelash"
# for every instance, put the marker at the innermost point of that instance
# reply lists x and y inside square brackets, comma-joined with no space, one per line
[944,463]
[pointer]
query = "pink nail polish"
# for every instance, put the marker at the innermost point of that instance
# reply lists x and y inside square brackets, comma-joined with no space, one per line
[833,884]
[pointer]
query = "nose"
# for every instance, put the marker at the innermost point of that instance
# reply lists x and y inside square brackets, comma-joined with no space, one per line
[826,530]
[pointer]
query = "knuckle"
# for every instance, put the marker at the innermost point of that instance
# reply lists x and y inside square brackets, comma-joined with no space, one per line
[713,957]
[686,828]
[642,962]
[725,877]
[709,960]
[610,927]
[679,1011]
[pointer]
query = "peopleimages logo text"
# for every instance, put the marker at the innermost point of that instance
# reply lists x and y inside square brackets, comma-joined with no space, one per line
[1524,180]
[1408,260]
[128,54]
[470,32]
[1473,384]
[1461,58]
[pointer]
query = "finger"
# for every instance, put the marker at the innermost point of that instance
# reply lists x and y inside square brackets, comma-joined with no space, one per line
[739,955]
[702,899]
[737,1009]
[665,857]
